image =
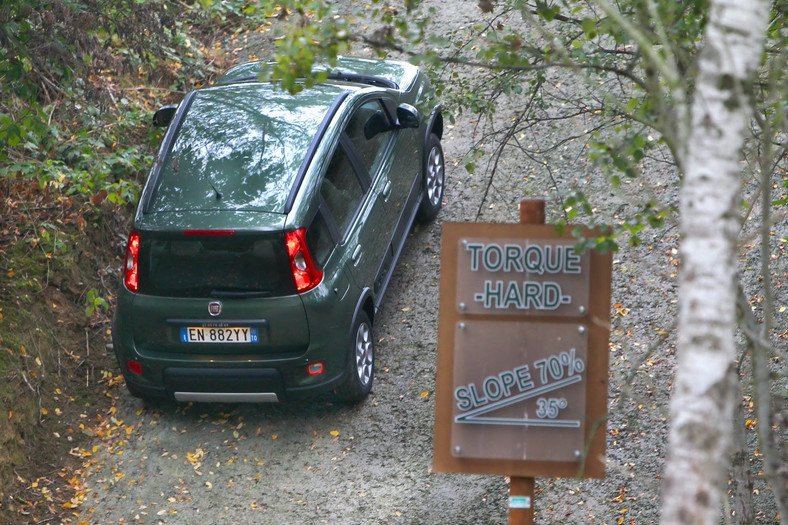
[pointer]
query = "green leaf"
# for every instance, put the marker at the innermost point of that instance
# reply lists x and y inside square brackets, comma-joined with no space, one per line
[588,25]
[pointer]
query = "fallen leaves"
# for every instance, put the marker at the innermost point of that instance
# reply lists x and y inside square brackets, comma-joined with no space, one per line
[196,458]
[620,310]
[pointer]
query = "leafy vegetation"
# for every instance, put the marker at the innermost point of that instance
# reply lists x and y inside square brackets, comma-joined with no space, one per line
[75,146]
[76,110]
[636,63]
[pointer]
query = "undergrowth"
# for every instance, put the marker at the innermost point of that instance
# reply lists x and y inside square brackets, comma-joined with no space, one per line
[75,146]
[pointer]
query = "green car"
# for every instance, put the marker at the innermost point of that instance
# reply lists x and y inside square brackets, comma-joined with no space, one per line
[268,231]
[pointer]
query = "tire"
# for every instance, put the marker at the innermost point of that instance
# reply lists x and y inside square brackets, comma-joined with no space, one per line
[434,180]
[361,362]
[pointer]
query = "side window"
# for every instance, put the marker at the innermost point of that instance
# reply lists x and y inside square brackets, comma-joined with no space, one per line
[319,241]
[369,130]
[341,189]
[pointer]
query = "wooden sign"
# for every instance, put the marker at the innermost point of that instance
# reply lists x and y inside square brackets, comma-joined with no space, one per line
[522,352]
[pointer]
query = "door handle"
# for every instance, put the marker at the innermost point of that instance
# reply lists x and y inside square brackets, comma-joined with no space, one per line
[386,190]
[356,257]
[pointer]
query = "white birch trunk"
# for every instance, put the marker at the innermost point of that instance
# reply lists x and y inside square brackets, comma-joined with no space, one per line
[702,404]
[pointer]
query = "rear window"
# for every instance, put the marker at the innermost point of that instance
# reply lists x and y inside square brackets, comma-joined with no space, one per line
[217,267]
[240,148]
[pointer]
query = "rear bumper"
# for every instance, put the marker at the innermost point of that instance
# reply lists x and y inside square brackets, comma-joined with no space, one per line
[275,369]
[227,385]
[230,379]
[224,384]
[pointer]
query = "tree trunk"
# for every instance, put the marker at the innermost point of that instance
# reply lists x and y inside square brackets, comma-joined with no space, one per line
[702,406]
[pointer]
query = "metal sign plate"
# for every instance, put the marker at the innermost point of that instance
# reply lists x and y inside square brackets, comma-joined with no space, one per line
[520,390]
[522,277]
[522,352]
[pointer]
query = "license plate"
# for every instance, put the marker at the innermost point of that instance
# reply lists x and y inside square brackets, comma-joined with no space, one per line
[209,334]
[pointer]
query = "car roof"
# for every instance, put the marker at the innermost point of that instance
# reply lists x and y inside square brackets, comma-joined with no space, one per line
[391,74]
[240,147]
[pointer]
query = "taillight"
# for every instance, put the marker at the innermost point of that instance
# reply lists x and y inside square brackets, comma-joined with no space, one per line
[305,273]
[131,269]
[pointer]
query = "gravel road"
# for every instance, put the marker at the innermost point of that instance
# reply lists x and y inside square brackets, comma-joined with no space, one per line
[325,462]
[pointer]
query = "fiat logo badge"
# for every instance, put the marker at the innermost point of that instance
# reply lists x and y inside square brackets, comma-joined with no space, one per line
[214,308]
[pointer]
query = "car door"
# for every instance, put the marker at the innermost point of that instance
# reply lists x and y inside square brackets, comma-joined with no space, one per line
[402,165]
[358,195]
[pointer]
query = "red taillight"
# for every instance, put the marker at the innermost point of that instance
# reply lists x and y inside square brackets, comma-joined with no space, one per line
[305,273]
[131,269]
[134,367]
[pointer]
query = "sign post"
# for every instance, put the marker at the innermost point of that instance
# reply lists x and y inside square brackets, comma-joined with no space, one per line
[522,355]
[521,489]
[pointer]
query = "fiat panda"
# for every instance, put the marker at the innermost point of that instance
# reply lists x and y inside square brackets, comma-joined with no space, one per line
[268,230]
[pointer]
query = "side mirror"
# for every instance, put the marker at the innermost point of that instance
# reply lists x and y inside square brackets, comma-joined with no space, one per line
[163,116]
[407,116]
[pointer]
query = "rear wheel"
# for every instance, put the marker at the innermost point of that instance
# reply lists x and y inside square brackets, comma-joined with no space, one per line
[434,178]
[361,362]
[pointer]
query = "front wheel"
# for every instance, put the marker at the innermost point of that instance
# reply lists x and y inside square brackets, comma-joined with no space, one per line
[434,179]
[361,362]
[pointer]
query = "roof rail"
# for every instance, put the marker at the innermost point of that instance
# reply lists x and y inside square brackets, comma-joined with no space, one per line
[344,76]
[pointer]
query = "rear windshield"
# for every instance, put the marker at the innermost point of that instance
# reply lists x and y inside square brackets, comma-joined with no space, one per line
[206,266]
[240,148]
